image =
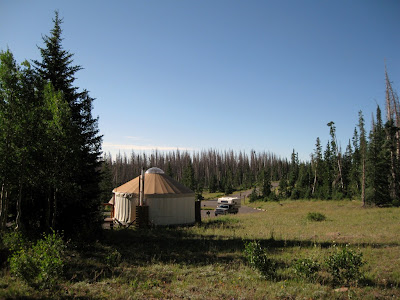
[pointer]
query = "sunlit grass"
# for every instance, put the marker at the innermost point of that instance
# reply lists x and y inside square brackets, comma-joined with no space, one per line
[206,261]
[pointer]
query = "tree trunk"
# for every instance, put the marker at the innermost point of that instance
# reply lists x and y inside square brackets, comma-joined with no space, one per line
[315,179]
[19,208]
[53,221]
[340,171]
[3,208]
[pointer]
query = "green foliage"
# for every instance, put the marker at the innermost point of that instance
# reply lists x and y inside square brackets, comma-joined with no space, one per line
[258,259]
[40,266]
[188,176]
[113,258]
[306,268]
[316,216]
[50,178]
[25,266]
[15,241]
[253,196]
[344,265]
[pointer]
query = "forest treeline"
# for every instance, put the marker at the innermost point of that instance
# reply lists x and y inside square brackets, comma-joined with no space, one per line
[368,168]
[49,145]
[213,170]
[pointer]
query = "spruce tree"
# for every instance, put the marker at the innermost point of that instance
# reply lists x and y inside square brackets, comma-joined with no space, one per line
[355,171]
[265,183]
[78,198]
[378,165]
[317,165]
[328,173]
[363,154]
[188,175]
[294,171]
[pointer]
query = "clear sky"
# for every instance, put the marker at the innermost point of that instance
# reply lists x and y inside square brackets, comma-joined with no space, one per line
[222,74]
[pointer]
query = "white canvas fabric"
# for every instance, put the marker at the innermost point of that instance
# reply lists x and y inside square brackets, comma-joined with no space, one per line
[170,203]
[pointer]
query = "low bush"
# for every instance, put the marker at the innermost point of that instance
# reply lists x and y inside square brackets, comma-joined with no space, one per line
[15,241]
[316,217]
[344,265]
[258,259]
[113,258]
[41,265]
[306,268]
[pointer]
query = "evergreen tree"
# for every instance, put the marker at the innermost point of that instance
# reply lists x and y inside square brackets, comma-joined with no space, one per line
[347,166]
[106,184]
[378,165]
[392,128]
[317,164]
[355,171]
[265,184]
[363,154]
[391,146]
[328,173]
[169,171]
[283,188]
[294,172]
[303,184]
[78,209]
[188,175]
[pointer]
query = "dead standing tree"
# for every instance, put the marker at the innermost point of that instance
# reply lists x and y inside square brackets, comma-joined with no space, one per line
[393,134]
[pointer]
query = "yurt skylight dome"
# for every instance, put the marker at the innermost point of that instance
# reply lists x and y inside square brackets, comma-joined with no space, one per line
[154,170]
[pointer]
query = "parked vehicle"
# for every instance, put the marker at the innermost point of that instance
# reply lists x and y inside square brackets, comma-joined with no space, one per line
[227,205]
[225,209]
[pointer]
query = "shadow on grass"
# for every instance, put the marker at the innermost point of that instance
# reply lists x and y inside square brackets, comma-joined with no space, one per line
[175,245]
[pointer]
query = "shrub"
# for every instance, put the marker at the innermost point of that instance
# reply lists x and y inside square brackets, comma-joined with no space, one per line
[113,258]
[306,268]
[316,216]
[258,259]
[253,196]
[41,265]
[15,241]
[345,266]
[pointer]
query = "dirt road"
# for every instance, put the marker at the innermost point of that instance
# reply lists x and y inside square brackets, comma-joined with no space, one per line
[213,204]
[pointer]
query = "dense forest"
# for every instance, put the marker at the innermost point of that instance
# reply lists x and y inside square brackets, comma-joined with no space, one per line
[49,144]
[368,168]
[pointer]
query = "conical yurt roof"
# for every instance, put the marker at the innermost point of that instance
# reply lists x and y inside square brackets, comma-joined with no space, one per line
[155,183]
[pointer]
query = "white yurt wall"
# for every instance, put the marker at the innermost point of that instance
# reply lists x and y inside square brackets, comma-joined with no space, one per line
[169,202]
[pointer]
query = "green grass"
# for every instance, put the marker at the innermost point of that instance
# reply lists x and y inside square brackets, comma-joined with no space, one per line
[207,261]
[207,208]
[211,196]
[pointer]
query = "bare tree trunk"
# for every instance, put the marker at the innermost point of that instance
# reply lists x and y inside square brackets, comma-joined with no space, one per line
[340,171]
[19,208]
[315,174]
[3,208]
[393,116]
[53,221]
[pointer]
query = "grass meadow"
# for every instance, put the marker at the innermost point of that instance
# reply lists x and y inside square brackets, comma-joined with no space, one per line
[207,261]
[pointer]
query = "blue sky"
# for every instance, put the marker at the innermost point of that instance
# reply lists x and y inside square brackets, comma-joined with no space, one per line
[240,75]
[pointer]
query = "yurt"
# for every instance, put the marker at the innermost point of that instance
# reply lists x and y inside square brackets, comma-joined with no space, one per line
[168,201]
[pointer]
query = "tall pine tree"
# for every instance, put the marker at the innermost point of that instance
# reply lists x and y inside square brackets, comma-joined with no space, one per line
[77,204]
[378,165]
